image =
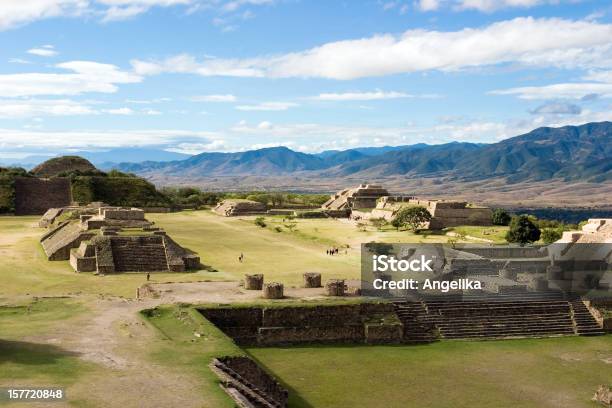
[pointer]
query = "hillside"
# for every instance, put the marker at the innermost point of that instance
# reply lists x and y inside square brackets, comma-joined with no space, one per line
[569,153]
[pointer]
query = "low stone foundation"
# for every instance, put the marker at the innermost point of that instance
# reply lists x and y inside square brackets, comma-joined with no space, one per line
[371,323]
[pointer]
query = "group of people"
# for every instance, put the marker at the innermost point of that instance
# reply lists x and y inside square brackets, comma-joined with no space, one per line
[333,251]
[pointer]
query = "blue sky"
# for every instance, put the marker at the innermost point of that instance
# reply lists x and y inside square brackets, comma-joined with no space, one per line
[218,75]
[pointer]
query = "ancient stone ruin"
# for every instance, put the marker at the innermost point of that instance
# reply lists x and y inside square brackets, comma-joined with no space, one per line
[116,240]
[350,323]
[248,384]
[362,196]
[595,230]
[312,280]
[237,207]
[444,213]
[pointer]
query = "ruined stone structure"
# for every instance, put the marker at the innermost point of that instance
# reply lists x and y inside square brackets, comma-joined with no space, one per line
[266,326]
[116,240]
[72,211]
[312,280]
[236,207]
[273,290]
[34,196]
[444,213]
[248,384]
[362,196]
[502,316]
[253,282]
[595,230]
[408,321]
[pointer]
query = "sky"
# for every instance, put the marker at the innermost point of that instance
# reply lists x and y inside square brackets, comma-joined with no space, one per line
[195,76]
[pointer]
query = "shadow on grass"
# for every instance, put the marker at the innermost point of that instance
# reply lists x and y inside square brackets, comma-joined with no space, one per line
[21,352]
[295,399]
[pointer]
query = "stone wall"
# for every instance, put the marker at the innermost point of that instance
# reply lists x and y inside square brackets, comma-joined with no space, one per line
[34,196]
[249,384]
[268,326]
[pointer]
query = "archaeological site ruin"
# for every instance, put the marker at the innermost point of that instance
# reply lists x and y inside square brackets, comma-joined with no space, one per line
[236,207]
[104,240]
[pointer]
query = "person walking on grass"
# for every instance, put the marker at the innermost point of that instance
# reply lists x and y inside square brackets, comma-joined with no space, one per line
[148,276]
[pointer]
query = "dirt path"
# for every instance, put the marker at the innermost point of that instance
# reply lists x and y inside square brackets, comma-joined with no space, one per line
[118,339]
[113,335]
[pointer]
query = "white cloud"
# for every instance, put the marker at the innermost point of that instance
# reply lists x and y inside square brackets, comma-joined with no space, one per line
[119,111]
[486,6]
[493,5]
[267,106]
[236,4]
[362,96]
[428,5]
[42,107]
[44,51]
[66,140]
[197,148]
[14,13]
[86,77]
[552,42]
[213,98]
[22,108]
[18,61]
[599,85]
[570,90]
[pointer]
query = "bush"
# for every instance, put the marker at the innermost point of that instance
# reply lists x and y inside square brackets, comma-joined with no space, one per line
[260,222]
[550,235]
[500,217]
[522,230]
[411,218]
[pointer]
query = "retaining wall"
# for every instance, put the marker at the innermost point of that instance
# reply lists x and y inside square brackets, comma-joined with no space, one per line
[34,196]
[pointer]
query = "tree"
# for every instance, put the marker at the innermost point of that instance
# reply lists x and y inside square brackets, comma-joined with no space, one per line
[411,218]
[500,217]
[550,235]
[522,230]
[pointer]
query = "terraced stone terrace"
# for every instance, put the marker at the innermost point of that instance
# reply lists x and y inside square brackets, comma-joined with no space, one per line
[544,314]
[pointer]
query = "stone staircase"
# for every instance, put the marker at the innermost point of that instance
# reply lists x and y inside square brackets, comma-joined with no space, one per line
[133,255]
[418,327]
[522,315]
[585,323]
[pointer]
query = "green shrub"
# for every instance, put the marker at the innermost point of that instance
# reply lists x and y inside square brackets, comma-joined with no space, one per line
[260,222]
[550,235]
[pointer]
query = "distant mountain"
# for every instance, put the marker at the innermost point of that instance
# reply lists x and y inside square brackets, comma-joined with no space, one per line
[567,153]
[273,160]
[104,159]
[371,151]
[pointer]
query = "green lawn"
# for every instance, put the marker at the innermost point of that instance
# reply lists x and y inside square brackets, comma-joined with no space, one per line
[496,233]
[281,256]
[534,373]
[190,353]
[27,362]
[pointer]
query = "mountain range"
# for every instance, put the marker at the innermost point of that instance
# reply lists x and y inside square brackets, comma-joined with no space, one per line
[569,153]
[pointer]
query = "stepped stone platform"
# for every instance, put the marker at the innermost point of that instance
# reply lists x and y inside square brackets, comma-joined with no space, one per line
[444,213]
[546,314]
[115,240]
[362,196]
[237,207]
